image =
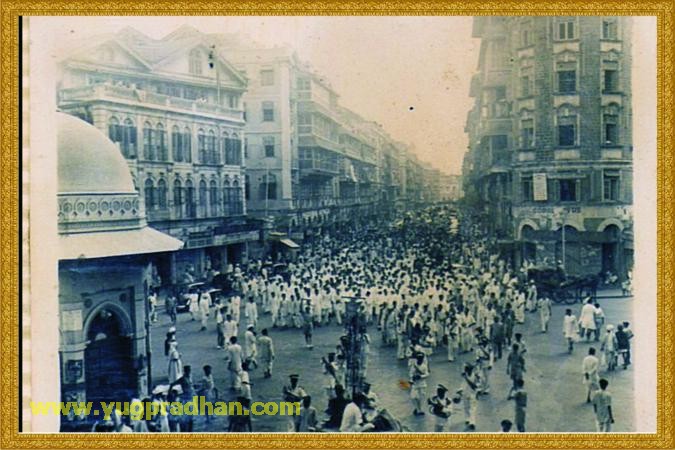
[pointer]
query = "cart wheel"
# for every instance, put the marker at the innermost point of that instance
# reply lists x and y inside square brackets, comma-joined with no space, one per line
[571,298]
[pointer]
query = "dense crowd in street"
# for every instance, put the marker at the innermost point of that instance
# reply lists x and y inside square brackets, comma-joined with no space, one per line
[428,282]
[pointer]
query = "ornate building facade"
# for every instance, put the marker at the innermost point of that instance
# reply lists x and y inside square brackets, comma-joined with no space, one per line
[550,153]
[173,108]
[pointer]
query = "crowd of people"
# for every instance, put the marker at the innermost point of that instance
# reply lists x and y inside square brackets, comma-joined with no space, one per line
[428,282]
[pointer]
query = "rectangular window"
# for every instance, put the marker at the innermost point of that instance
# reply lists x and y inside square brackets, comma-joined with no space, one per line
[568,190]
[610,185]
[609,29]
[565,30]
[303,84]
[527,133]
[567,81]
[525,86]
[499,142]
[267,77]
[268,111]
[611,129]
[566,135]
[233,101]
[268,145]
[611,79]
[527,189]
[498,54]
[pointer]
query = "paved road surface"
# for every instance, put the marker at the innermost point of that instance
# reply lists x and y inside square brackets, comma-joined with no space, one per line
[556,400]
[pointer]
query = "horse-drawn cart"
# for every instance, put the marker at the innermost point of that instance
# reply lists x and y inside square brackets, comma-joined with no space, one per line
[563,288]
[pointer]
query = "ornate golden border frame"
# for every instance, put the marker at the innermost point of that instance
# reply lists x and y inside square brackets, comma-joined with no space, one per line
[10,10]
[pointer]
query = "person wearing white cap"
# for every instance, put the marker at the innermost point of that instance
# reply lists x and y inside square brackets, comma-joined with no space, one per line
[204,303]
[544,306]
[251,311]
[175,364]
[609,347]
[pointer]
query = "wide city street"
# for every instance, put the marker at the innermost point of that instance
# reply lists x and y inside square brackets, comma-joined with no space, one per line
[556,396]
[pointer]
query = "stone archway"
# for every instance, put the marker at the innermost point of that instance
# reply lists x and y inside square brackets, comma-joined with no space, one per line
[110,372]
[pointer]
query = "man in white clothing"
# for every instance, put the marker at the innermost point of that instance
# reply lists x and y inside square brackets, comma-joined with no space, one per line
[587,319]
[352,419]
[251,311]
[569,329]
[590,367]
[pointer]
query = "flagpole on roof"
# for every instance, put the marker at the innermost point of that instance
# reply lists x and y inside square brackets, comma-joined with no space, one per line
[213,61]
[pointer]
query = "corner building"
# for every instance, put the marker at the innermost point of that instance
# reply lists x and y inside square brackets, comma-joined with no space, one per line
[173,108]
[550,153]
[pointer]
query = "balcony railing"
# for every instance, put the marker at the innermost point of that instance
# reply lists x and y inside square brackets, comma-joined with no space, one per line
[108,91]
[318,166]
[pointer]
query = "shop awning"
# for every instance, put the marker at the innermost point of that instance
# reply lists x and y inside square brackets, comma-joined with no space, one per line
[289,243]
[104,244]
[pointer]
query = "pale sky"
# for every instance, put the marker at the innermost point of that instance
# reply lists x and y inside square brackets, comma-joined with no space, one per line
[380,66]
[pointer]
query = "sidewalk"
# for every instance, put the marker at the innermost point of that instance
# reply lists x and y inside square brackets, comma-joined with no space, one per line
[611,292]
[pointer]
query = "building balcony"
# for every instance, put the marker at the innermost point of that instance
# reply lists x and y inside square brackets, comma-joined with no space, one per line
[308,137]
[318,167]
[138,97]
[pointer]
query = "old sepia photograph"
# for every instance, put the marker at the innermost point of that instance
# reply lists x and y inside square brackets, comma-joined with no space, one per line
[342,224]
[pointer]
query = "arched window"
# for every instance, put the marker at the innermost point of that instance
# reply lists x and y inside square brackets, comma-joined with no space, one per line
[227,189]
[238,201]
[268,187]
[129,139]
[211,148]
[234,154]
[162,154]
[178,198]
[567,126]
[177,144]
[148,144]
[149,195]
[213,197]
[187,145]
[201,146]
[190,202]
[161,194]
[225,147]
[202,198]
[114,130]
[196,62]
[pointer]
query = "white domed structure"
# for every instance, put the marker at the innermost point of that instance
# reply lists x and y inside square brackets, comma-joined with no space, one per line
[81,145]
[100,212]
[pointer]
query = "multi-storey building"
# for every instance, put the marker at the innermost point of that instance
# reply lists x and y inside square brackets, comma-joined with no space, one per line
[173,107]
[550,152]
[450,188]
[310,161]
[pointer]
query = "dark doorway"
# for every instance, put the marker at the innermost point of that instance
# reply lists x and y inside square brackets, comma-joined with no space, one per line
[109,366]
[609,249]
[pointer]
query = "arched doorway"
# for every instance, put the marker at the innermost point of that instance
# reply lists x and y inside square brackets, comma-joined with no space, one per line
[610,248]
[109,365]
